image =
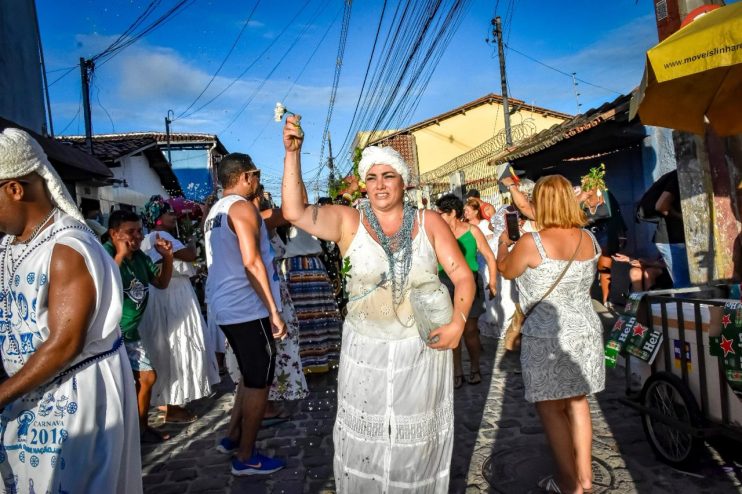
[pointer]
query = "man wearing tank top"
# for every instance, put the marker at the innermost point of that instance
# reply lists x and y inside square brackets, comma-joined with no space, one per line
[244,297]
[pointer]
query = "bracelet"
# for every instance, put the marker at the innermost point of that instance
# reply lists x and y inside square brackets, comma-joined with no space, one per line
[463,316]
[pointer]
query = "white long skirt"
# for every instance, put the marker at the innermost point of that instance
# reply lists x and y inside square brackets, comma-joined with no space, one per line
[172,332]
[394,427]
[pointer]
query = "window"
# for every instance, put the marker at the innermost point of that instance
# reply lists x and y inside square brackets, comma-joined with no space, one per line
[660,9]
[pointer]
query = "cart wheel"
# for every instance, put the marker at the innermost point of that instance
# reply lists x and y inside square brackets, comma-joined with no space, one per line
[666,393]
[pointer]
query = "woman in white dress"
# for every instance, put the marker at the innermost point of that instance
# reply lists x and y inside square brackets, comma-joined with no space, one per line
[173,327]
[394,426]
[501,308]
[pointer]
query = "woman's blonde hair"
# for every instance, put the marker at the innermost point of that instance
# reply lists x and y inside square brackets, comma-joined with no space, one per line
[474,204]
[555,204]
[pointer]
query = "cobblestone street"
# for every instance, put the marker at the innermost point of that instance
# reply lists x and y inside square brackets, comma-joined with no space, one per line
[499,444]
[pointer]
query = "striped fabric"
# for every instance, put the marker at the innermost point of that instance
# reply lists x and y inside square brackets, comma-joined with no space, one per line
[317,311]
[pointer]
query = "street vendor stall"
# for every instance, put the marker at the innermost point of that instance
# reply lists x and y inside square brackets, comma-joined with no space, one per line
[683,350]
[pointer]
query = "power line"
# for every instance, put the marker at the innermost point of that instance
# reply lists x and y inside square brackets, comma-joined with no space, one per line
[298,76]
[62,76]
[275,67]
[336,77]
[97,97]
[75,117]
[226,57]
[561,71]
[127,38]
[257,59]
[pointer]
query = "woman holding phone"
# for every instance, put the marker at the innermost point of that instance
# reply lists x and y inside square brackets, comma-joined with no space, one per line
[562,344]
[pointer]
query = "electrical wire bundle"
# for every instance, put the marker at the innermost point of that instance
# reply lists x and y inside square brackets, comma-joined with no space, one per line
[399,71]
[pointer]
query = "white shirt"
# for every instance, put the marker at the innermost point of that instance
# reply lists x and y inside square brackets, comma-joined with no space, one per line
[231,296]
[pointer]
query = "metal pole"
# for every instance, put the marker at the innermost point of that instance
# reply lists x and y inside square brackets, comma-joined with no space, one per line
[497,23]
[85,67]
[330,163]
[167,135]
[45,81]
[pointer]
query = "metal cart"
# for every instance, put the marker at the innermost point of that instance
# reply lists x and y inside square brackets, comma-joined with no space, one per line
[684,397]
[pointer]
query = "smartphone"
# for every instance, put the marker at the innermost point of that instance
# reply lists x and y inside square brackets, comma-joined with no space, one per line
[511,222]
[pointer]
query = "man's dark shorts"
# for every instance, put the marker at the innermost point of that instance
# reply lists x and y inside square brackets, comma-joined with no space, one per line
[253,345]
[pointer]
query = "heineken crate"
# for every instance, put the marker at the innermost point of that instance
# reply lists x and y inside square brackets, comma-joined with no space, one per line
[682,337]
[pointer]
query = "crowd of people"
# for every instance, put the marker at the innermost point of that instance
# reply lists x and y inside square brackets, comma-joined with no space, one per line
[99,324]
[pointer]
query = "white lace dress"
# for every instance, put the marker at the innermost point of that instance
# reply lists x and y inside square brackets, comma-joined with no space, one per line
[500,308]
[394,427]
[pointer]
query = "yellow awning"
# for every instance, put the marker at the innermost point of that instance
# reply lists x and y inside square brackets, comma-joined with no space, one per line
[696,74]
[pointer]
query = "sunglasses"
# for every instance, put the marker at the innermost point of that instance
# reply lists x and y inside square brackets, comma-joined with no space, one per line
[255,172]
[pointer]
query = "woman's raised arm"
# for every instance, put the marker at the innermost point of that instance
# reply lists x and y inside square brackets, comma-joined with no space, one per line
[326,222]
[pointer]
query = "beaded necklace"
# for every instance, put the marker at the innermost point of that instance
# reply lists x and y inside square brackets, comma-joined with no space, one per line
[397,247]
[9,266]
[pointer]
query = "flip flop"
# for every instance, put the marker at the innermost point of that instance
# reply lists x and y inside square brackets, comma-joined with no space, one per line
[458,381]
[475,377]
[150,435]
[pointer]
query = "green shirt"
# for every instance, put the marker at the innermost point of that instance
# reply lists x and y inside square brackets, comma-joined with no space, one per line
[468,245]
[136,275]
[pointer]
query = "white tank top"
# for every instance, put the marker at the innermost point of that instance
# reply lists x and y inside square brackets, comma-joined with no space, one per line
[230,295]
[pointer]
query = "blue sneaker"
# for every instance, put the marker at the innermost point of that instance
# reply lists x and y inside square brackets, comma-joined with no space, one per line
[227,446]
[257,464]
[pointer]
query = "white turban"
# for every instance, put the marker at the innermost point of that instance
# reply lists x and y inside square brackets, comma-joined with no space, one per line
[375,155]
[20,155]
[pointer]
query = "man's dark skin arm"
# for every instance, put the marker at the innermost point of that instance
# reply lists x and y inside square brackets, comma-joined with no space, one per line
[72,299]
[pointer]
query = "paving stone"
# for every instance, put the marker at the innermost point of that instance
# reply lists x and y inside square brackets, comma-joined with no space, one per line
[165,489]
[490,418]
[184,474]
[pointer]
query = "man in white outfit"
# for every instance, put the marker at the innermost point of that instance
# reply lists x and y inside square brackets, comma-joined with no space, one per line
[69,420]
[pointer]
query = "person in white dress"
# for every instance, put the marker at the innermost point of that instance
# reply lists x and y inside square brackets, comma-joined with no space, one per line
[69,409]
[394,427]
[173,327]
[500,309]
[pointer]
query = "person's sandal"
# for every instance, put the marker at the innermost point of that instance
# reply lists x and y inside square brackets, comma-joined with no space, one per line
[458,381]
[153,436]
[549,484]
[475,377]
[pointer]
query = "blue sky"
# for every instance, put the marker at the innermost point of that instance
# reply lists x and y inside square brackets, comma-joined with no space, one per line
[602,41]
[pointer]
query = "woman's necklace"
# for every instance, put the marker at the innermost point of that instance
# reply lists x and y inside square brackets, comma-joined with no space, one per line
[397,247]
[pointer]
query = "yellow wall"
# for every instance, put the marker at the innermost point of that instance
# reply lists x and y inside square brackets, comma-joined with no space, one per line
[437,144]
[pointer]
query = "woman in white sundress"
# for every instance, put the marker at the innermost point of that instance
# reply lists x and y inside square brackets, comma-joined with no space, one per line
[500,308]
[394,427]
[562,343]
[173,327]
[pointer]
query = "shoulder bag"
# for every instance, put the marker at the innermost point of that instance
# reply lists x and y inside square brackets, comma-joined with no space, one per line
[512,335]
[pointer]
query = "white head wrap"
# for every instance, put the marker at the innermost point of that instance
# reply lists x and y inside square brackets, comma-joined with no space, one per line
[20,155]
[375,155]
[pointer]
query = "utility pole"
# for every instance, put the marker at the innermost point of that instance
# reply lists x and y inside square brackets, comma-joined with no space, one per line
[168,121]
[497,23]
[86,68]
[330,163]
